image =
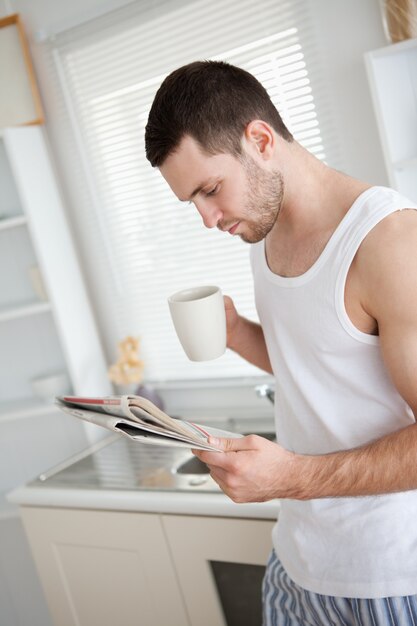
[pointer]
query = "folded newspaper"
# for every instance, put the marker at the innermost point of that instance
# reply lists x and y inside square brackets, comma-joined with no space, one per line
[140,420]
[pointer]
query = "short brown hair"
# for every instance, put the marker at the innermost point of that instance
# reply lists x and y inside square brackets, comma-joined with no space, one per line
[213,102]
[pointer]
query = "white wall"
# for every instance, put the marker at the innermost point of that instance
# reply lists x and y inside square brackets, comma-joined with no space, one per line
[346,29]
[45,17]
[6,7]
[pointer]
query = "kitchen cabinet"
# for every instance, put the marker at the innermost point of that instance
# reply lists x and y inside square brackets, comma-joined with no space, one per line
[134,569]
[104,568]
[392,75]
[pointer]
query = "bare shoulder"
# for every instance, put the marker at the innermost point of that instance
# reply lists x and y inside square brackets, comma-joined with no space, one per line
[391,239]
[395,222]
[386,262]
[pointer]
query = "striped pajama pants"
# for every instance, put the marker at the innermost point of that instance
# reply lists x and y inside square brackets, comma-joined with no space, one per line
[287,604]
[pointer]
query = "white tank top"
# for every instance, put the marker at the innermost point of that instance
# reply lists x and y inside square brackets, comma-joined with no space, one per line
[333,393]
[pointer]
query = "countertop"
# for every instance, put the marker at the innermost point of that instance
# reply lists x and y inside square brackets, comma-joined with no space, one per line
[120,475]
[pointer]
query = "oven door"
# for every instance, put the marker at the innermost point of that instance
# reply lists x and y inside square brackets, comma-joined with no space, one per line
[220,563]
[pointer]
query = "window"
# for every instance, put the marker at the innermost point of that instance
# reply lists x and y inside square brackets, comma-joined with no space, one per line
[139,243]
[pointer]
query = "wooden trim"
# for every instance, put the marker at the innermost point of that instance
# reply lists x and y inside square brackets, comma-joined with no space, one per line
[15,20]
[9,20]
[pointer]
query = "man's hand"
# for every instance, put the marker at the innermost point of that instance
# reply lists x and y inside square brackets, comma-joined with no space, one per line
[232,320]
[245,337]
[252,469]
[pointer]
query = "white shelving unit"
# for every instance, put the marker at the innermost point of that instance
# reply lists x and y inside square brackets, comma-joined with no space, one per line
[40,336]
[392,74]
[13,222]
[42,331]
[24,311]
[25,408]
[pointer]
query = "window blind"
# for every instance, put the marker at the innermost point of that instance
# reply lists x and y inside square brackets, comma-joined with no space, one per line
[139,243]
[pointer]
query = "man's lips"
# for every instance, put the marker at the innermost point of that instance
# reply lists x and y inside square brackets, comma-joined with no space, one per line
[233,228]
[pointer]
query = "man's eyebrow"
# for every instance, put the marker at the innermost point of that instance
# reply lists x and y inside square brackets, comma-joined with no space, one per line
[197,190]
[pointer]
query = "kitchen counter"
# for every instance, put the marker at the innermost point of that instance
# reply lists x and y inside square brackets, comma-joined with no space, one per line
[119,475]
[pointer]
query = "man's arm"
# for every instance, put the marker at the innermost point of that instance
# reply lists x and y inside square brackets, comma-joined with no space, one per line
[246,338]
[253,469]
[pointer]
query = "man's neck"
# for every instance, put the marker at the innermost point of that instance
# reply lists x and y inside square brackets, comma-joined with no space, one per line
[316,198]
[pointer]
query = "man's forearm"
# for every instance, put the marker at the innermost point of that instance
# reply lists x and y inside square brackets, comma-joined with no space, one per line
[249,342]
[386,465]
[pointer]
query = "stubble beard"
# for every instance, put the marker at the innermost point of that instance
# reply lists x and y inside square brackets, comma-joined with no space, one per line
[265,192]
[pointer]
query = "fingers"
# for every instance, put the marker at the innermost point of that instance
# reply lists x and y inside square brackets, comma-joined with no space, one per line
[227,484]
[234,466]
[212,459]
[228,302]
[219,475]
[229,447]
[234,444]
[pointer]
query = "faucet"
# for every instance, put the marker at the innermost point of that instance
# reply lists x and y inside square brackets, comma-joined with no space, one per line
[265,391]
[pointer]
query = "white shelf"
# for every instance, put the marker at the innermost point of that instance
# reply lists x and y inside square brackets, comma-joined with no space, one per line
[25,310]
[7,509]
[28,157]
[23,408]
[13,222]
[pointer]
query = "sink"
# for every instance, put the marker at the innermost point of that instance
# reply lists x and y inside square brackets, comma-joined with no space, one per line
[122,464]
[126,465]
[192,466]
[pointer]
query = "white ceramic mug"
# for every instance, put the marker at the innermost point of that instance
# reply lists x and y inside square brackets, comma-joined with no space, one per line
[200,321]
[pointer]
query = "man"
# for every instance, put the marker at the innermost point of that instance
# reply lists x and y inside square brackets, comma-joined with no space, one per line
[335,272]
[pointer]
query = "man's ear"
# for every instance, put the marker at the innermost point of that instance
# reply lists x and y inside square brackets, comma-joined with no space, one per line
[260,138]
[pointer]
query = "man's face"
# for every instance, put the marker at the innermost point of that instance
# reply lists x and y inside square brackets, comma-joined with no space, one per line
[236,195]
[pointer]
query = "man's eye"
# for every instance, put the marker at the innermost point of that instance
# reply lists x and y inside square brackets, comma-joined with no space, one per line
[212,191]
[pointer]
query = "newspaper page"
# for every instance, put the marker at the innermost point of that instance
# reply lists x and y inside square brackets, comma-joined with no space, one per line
[140,419]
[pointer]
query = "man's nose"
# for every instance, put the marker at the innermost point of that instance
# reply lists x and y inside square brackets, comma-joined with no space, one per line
[211,215]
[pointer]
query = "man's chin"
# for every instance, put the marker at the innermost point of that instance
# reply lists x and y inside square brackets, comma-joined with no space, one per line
[251,237]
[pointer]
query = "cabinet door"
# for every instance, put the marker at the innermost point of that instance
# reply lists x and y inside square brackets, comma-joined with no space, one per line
[102,568]
[207,553]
